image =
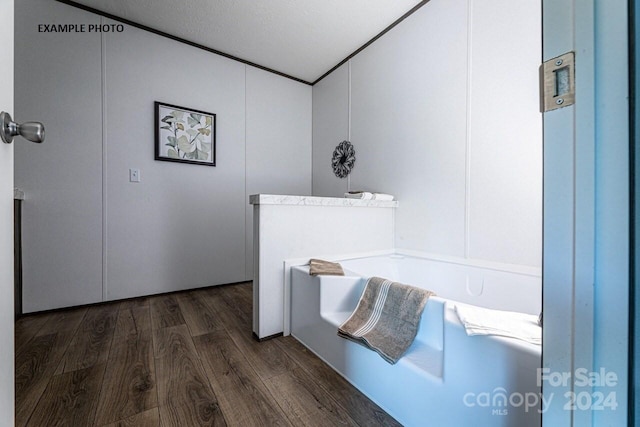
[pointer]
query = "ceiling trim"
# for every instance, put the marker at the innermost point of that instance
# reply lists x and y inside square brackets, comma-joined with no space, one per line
[235,58]
[179,39]
[380,34]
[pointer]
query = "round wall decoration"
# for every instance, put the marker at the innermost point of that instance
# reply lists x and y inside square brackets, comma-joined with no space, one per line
[344,157]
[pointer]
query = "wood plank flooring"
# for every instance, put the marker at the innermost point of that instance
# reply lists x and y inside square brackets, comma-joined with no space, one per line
[183,359]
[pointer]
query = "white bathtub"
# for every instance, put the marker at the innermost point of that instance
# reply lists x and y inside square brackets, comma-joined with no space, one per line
[445,378]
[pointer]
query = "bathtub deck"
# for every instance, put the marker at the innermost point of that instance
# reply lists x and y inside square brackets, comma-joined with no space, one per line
[443,366]
[180,359]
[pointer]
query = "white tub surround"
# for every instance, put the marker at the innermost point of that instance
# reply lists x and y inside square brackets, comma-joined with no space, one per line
[445,377]
[288,227]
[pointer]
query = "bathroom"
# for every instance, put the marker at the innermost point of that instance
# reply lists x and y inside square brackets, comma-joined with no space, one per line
[442,110]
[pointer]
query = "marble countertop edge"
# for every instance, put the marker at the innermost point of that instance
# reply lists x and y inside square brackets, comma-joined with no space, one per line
[280,199]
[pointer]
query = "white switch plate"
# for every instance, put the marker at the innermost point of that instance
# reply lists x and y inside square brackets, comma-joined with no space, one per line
[134,175]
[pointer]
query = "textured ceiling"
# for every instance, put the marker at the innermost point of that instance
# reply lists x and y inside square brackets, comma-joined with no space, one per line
[302,38]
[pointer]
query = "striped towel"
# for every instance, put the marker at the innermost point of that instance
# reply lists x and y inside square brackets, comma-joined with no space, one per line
[387,317]
[319,266]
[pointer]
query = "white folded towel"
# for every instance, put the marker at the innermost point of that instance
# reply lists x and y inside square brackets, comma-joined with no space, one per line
[366,195]
[361,195]
[382,196]
[485,321]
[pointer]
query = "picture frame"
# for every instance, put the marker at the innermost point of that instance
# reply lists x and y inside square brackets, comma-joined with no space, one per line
[184,135]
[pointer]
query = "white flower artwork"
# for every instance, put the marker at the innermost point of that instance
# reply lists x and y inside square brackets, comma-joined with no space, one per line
[185,135]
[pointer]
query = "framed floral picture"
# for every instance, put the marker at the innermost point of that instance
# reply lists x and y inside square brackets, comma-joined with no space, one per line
[184,135]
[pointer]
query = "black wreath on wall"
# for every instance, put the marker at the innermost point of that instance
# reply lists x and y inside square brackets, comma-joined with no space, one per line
[344,157]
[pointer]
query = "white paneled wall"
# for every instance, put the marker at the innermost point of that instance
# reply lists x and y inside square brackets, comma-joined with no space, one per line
[91,235]
[278,136]
[444,114]
[330,127]
[182,225]
[57,82]
[505,132]
[408,114]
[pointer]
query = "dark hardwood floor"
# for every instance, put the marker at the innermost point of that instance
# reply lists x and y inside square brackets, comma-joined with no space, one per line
[183,359]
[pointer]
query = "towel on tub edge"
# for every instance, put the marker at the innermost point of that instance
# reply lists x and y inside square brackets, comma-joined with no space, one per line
[485,321]
[319,266]
[387,317]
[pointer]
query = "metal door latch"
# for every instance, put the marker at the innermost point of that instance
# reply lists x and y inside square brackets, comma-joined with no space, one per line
[558,82]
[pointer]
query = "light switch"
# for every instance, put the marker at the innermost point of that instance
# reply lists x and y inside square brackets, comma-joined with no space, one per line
[134,175]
